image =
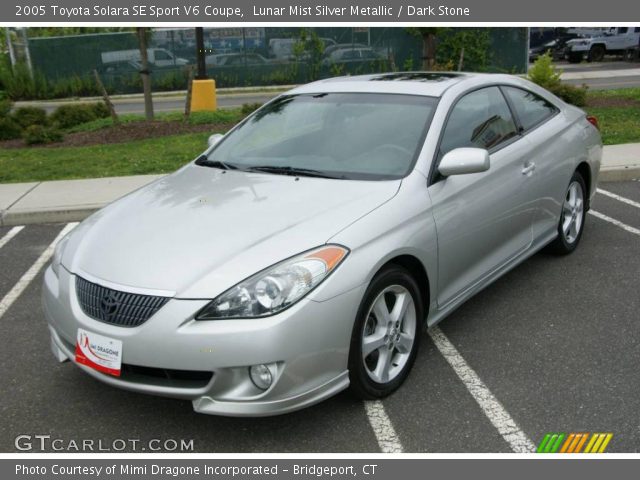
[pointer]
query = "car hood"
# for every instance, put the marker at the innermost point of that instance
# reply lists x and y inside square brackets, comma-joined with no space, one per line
[200,231]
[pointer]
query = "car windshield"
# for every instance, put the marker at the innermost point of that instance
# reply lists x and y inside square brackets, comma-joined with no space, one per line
[361,136]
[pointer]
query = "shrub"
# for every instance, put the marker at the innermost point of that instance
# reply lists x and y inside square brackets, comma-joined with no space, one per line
[27,116]
[40,134]
[571,94]
[9,129]
[100,110]
[5,107]
[544,73]
[67,116]
[20,84]
[248,108]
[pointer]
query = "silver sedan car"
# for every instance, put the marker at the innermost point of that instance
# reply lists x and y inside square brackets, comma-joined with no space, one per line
[303,252]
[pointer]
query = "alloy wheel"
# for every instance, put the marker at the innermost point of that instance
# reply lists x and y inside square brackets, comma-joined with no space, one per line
[389,334]
[572,212]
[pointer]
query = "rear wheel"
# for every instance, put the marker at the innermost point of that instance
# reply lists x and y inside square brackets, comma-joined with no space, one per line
[572,218]
[386,334]
[596,54]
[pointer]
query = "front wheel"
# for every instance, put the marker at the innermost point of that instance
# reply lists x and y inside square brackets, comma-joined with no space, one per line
[596,54]
[572,217]
[386,334]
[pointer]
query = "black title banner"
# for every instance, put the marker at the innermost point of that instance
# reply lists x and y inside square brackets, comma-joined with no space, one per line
[305,469]
[299,11]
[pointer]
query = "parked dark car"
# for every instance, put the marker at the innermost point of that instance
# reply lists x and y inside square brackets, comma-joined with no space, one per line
[556,46]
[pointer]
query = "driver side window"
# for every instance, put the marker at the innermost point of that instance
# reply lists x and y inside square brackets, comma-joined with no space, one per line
[480,119]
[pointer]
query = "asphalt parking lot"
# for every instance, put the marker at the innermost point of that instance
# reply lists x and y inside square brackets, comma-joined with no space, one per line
[554,346]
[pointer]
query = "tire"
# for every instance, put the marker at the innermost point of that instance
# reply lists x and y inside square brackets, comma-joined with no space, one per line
[570,229]
[574,57]
[396,337]
[596,54]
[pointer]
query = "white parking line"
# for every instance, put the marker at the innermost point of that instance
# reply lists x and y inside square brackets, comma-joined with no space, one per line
[386,435]
[492,408]
[9,235]
[617,223]
[618,197]
[30,274]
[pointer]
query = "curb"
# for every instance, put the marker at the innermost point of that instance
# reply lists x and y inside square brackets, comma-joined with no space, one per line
[619,174]
[66,215]
[9,218]
[159,96]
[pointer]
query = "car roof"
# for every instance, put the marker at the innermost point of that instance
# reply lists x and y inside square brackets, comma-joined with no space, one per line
[432,84]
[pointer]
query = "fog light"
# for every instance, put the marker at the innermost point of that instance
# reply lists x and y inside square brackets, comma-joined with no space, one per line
[261,376]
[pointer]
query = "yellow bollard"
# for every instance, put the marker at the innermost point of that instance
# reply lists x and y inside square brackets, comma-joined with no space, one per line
[203,95]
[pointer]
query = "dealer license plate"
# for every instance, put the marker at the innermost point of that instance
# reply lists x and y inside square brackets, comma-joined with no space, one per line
[101,353]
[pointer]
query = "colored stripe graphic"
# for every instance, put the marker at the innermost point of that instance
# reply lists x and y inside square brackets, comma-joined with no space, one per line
[583,439]
[543,443]
[598,443]
[570,439]
[573,443]
[604,445]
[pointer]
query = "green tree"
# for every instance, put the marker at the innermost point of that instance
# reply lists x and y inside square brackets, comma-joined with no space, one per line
[466,48]
[429,37]
[309,48]
[544,72]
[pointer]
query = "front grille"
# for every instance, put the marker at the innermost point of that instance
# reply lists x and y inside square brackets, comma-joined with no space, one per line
[164,377]
[115,307]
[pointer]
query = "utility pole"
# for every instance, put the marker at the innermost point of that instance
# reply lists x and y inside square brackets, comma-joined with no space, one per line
[27,53]
[203,88]
[12,53]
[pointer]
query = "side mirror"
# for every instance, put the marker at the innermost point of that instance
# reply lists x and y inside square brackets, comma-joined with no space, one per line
[461,161]
[213,139]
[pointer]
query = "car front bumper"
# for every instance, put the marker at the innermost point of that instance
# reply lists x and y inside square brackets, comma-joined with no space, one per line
[307,345]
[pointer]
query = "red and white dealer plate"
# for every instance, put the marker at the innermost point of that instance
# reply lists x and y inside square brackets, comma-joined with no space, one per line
[99,352]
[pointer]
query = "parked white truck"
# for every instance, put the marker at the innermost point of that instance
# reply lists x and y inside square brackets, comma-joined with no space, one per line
[615,41]
[158,57]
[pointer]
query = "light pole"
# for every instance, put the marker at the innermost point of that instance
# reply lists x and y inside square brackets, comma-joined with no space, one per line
[203,88]
[201,73]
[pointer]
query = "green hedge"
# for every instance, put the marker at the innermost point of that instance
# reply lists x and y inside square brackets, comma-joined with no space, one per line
[40,134]
[9,129]
[67,116]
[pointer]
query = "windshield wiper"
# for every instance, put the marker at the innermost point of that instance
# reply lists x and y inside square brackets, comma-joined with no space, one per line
[203,161]
[293,171]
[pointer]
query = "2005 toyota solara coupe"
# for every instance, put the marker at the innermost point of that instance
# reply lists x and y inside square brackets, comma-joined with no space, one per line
[305,251]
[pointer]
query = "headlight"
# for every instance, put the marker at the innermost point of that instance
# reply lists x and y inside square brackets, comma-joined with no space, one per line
[276,288]
[57,255]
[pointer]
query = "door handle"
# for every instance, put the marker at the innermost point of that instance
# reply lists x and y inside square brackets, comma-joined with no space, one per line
[529,168]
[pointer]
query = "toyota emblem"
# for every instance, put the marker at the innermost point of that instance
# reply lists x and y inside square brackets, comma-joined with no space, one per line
[109,305]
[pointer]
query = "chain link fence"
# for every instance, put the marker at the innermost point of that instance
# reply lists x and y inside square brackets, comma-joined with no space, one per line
[260,56]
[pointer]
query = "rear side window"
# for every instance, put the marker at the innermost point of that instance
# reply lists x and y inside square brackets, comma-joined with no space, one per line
[480,119]
[530,108]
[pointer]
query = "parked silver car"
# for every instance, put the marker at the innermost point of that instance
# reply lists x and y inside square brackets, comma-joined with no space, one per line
[305,250]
